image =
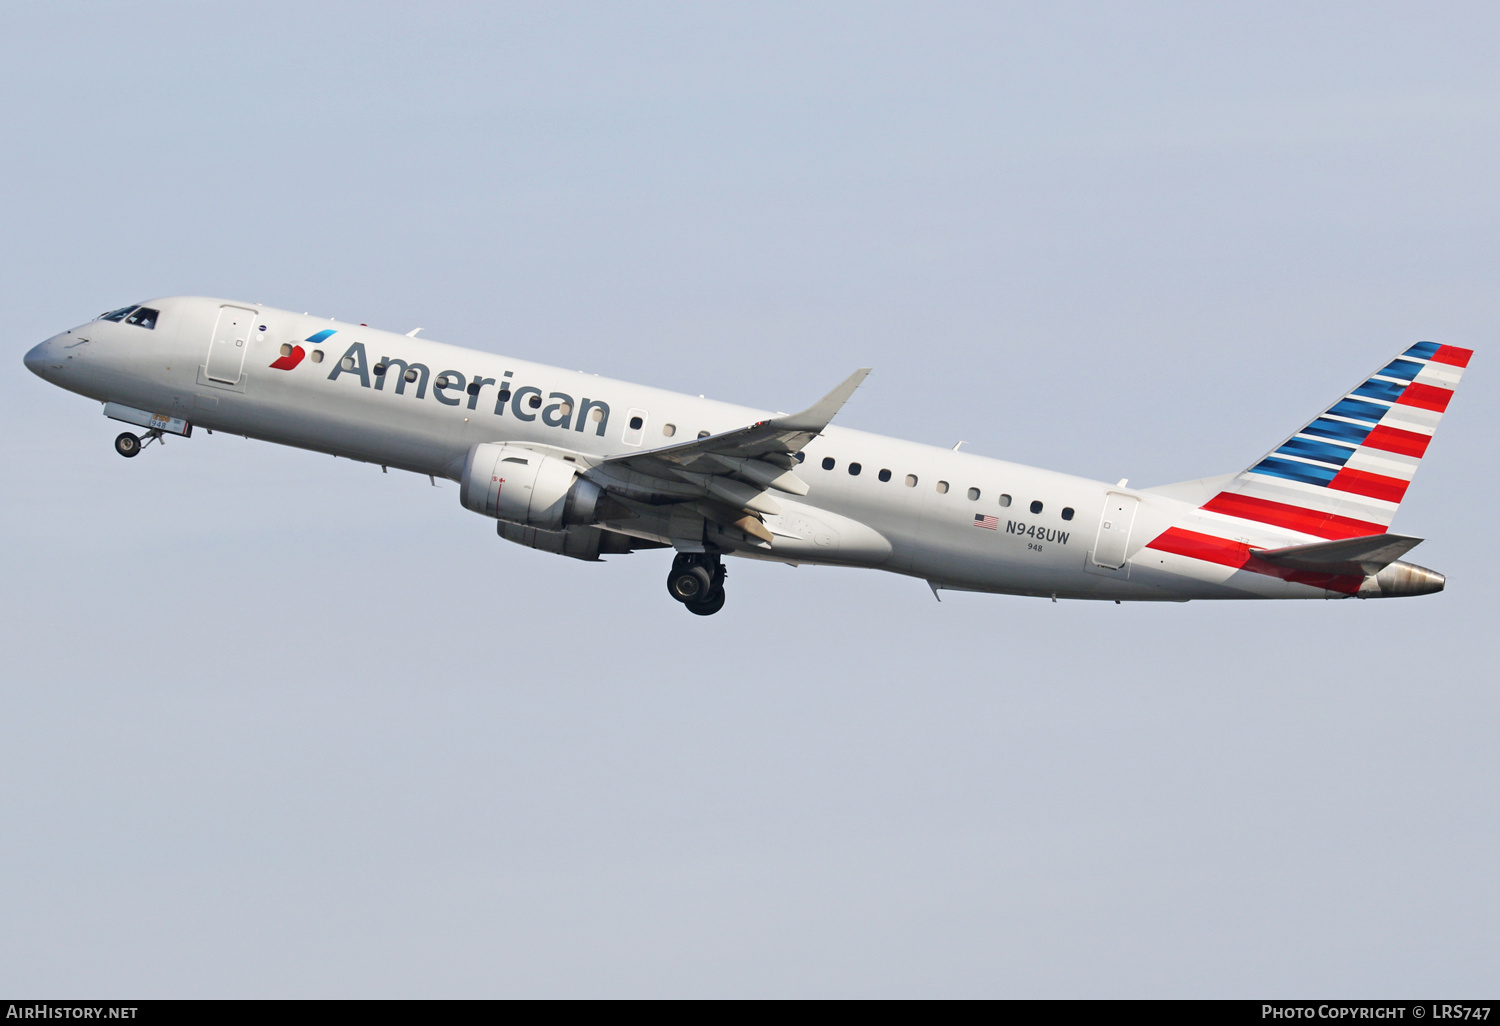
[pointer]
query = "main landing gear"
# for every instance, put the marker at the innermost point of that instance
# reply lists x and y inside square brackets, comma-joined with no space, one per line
[129,445]
[697,581]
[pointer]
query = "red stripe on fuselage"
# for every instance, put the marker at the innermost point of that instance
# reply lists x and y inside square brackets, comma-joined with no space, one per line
[1425,397]
[1201,546]
[1452,355]
[1293,518]
[1235,554]
[1398,440]
[1376,486]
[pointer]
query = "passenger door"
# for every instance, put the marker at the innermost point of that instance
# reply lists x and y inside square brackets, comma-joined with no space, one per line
[1113,540]
[226,352]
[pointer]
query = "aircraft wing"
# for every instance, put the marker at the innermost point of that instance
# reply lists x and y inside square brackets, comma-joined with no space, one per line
[730,476]
[780,436]
[1368,555]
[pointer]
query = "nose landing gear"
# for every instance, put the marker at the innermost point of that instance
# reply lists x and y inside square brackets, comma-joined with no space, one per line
[130,446]
[697,581]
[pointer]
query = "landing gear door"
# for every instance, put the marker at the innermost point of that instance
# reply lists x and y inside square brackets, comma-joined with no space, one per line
[226,352]
[1113,540]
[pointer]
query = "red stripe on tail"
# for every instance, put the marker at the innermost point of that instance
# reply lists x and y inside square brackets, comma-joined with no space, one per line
[1389,439]
[1425,397]
[1376,486]
[1452,355]
[1293,518]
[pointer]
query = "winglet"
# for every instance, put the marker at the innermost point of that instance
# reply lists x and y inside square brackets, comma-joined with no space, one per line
[816,417]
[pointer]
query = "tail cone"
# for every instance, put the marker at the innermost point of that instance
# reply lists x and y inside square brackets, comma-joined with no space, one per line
[1401,579]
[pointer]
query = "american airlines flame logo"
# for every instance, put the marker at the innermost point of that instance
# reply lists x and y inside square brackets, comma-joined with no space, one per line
[291,355]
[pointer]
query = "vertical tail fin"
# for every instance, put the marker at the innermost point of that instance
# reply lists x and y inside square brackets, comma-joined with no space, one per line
[1344,474]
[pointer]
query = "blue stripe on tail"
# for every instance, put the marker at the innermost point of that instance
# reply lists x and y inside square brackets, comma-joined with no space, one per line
[1339,430]
[1313,449]
[1308,473]
[1406,370]
[1356,410]
[1387,390]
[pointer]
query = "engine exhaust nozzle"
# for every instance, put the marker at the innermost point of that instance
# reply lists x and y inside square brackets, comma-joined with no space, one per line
[1401,579]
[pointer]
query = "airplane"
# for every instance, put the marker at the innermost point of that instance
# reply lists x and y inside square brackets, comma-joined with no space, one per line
[584,466]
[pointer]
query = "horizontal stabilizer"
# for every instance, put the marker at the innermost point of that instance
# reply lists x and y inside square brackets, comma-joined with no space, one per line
[1367,556]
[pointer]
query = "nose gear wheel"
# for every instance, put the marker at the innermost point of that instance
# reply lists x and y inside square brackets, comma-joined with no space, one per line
[130,446]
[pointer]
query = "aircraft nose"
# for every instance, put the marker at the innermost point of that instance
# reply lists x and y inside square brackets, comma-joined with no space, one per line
[37,357]
[45,360]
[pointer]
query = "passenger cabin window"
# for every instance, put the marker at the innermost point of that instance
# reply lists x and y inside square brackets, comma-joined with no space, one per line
[636,423]
[942,487]
[911,480]
[145,317]
[854,469]
[973,494]
[801,457]
[827,462]
[1005,500]
[1067,512]
[116,315]
[669,430]
[535,401]
[885,475]
[1036,506]
[702,434]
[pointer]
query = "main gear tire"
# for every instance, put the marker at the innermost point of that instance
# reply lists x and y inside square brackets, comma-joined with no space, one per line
[708,606]
[690,583]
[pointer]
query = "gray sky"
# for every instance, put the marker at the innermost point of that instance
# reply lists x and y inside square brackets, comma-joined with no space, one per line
[277,725]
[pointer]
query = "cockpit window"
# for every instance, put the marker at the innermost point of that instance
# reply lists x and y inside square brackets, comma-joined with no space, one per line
[144,317]
[117,315]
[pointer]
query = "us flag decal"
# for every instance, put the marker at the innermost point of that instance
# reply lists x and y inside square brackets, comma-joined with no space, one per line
[987,522]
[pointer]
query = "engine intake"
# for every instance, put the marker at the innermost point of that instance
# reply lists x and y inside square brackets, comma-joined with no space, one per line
[512,483]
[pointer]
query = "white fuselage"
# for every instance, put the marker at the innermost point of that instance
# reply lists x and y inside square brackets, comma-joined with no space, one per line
[919,520]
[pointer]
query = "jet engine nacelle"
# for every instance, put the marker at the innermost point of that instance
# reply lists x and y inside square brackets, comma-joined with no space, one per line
[587,543]
[522,486]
